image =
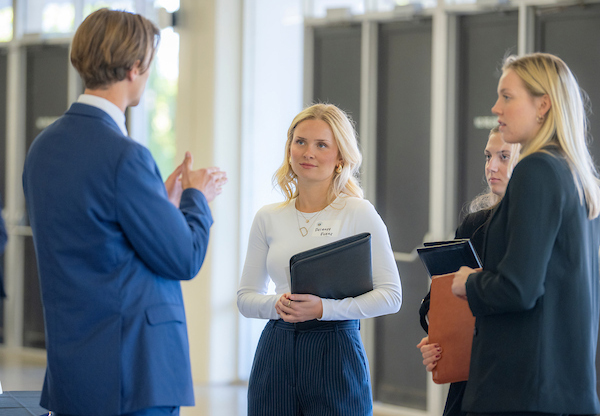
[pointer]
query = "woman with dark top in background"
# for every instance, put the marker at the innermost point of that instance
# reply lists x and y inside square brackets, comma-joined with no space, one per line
[500,159]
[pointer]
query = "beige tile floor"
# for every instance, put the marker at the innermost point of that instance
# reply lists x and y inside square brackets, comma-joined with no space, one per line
[24,371]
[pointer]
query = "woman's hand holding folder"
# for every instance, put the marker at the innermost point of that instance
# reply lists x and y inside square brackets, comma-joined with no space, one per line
[431,353]
[459,284]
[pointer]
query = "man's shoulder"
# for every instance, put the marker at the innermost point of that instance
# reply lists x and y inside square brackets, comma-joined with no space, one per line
[83,118]
[78,108]
[88,115]
[90,133]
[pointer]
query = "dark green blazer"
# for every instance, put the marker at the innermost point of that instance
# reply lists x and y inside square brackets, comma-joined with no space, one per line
[536,301]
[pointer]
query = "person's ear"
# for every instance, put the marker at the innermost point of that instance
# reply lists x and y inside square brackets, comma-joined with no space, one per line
[134,72]
[544,105]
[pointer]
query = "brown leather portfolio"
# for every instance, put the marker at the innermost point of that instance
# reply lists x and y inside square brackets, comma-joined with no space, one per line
[451,325]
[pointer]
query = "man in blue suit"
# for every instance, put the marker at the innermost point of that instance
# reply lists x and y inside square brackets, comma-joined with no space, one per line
[112,240]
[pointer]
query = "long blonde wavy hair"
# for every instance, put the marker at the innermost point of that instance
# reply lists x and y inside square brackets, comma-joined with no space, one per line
[345,137]
[565,123]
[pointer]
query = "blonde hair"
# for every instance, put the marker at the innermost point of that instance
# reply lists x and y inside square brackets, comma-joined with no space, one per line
[487,199]
[565,123]
[345,137]
[109,43]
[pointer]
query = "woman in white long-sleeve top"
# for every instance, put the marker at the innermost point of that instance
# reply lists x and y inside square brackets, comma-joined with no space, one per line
[310,359]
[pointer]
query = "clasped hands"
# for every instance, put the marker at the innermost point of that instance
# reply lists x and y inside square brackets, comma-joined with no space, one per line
[433,352]
[295,308]
[209,181]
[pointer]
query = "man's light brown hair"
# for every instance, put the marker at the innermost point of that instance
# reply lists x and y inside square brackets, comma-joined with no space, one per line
[108,44]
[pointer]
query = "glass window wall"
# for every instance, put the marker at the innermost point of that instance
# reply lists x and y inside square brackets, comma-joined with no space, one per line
[6,20]
[93,5]
[318,8]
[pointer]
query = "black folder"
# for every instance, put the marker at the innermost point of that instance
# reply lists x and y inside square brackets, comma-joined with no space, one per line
[443,257]
[337,270]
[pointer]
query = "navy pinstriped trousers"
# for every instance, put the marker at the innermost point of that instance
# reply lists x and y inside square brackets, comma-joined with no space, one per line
[318,371]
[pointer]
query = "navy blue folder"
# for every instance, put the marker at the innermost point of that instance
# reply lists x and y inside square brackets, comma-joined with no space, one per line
[443,257]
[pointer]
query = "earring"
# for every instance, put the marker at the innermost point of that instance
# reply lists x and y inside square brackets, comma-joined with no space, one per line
[339,168]
[290,160]
[539,119]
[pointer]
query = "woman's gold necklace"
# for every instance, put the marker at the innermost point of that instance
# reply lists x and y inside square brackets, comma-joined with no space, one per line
[304,230]
[311,217]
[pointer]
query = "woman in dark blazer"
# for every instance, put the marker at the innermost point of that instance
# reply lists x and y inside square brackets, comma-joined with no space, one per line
[536,300]
[500,160]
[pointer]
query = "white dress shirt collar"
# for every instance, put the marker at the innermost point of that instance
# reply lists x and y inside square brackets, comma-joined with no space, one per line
[103,104]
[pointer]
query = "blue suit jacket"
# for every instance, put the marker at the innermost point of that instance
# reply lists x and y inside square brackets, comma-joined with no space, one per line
[111,250]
